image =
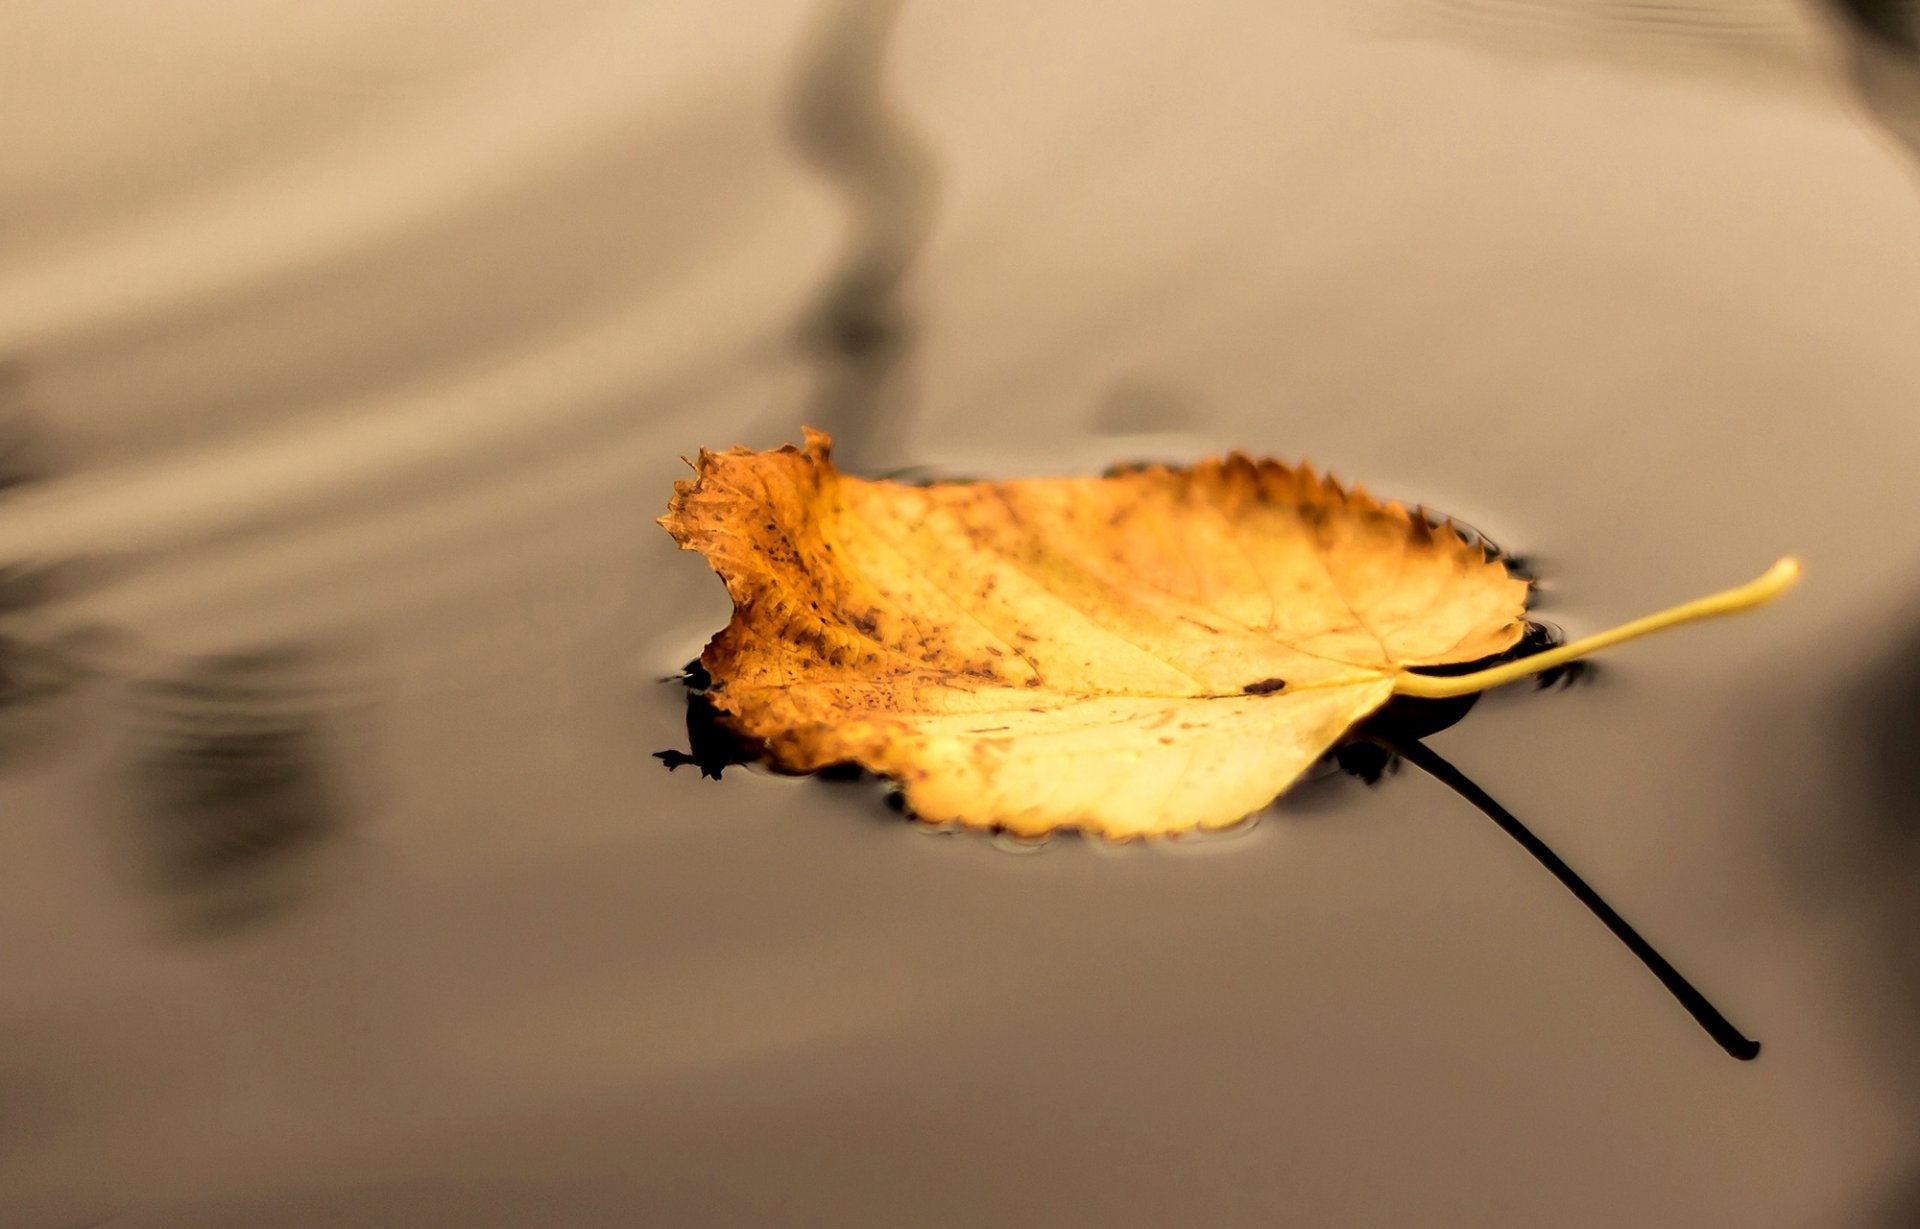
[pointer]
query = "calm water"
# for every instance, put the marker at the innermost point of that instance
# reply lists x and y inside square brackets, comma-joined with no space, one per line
[357,351]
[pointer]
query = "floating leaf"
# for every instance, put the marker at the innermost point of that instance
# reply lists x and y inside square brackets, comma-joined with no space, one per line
[1157,650]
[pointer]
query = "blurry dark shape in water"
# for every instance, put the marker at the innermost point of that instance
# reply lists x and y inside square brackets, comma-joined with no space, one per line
[1894,22]
[1884,710]
[38,664]
[45,655]
[1882,723]
[1884,61]
[33,676]
[1886,720]
[233,782]
[845,124]
[24,455]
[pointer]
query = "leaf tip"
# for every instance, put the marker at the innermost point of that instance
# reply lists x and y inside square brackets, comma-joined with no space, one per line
[819,445]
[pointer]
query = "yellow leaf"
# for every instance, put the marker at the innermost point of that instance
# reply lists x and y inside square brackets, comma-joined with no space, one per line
[1157,650]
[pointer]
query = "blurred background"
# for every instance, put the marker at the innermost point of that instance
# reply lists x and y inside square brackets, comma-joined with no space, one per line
[348,351]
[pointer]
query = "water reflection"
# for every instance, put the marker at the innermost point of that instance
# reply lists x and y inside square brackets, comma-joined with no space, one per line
[847,125]
[1884,721]
[1894,22]
[233,780]
[1884,61]
[37,663]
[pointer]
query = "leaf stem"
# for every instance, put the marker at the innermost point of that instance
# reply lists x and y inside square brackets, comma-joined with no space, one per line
[1731,1039]
[1775,581]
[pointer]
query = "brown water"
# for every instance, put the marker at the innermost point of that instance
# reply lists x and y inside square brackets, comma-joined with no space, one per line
[338,885]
